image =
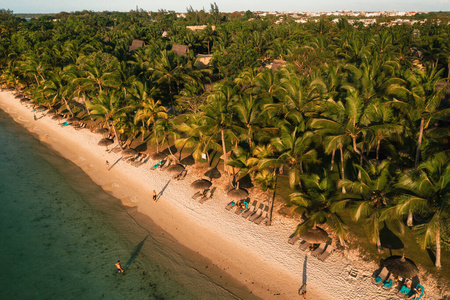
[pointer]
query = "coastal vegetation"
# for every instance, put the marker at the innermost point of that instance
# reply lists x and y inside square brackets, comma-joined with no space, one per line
[352,121]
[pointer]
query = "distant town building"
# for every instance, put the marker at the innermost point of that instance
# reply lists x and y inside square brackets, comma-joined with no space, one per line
[200,28]
[181,50]
[136,44]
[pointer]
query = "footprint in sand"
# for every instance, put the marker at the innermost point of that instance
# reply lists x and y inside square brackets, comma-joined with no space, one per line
[114,185]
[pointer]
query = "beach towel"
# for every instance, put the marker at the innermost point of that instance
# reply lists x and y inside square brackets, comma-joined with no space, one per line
[405,290]
[64,124]
[388,283]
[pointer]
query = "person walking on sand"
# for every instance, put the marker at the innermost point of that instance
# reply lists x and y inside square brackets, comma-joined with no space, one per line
[302,291]
[119,267]
[34,117]
[155,196]
[107,165]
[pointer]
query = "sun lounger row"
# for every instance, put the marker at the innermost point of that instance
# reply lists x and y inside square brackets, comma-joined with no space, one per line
[322,252]
[253,213]
[204,195]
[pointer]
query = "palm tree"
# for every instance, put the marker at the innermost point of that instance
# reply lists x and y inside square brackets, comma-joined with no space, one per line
[218,118]
[419,101]
[426,191]
[110,108]
[371,195]
[317,204]
[149,110]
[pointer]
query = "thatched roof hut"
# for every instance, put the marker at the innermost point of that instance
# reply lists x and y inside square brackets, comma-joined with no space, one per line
[181,50]
[136,44]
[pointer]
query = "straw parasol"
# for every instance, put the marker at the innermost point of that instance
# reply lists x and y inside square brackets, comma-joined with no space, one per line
[213,173]
[177,168]
[129,152]
[201,184]
[188,160]
[158,155]
[41,107]
[401,266]
[57,117]
[237,194]
[102,130]
[52,112]
[73,119]
[105,142]
[315,235]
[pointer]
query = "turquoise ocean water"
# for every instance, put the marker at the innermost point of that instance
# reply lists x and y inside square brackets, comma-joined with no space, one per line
[60,235]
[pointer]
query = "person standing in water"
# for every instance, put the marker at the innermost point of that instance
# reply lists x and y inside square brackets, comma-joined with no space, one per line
[119,267]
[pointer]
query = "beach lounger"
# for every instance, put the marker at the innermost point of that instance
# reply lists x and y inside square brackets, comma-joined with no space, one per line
[250,210]
[304,245]
[230,205]
[239,211]
[196,195]
[421,293]
[319,250]
[326,253]
[388,283]
[257,213]
[80,126]
[208,195]
[263,217]
[378,280]
[293,239]
[65,124]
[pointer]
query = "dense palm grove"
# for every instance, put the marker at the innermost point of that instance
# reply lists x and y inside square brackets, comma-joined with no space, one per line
[357,119]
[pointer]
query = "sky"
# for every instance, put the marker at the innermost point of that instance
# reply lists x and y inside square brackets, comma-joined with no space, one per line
[54,6]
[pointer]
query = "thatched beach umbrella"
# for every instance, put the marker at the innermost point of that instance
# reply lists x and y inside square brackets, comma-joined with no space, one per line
[237,194]
[105,142]
[315,235]
[188,160]
[213,173]
[73,119]
[57,117]
[177,168]
[201,184]
[129,152]
[40,107]
[401,266]
[158,155]
[25,99]
[52,112]
[102,130]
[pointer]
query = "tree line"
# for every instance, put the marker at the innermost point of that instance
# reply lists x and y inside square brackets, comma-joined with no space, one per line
[356,117]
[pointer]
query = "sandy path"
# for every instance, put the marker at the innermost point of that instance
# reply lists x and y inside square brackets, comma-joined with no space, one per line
[258,256]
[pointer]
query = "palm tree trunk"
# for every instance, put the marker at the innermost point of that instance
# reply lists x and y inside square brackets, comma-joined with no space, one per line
[269,221]
[332,159]
[438,248]
[419,142]
[378,148]
[225,158]
[117,137]
[68,107]
[409,221]
[87,109]
[342,167]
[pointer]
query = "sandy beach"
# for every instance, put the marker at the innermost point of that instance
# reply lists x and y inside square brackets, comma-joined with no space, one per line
[256,255]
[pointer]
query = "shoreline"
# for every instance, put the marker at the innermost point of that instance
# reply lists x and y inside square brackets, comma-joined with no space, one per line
[257,256]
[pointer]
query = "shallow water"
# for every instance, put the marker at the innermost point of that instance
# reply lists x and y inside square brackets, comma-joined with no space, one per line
[60,235]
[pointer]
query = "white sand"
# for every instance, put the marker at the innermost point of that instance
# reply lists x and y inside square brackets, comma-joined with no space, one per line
[256,255]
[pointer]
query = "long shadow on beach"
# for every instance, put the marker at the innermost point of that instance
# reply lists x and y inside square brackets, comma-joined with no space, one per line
[163,189]
[303,287]
[135,253]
